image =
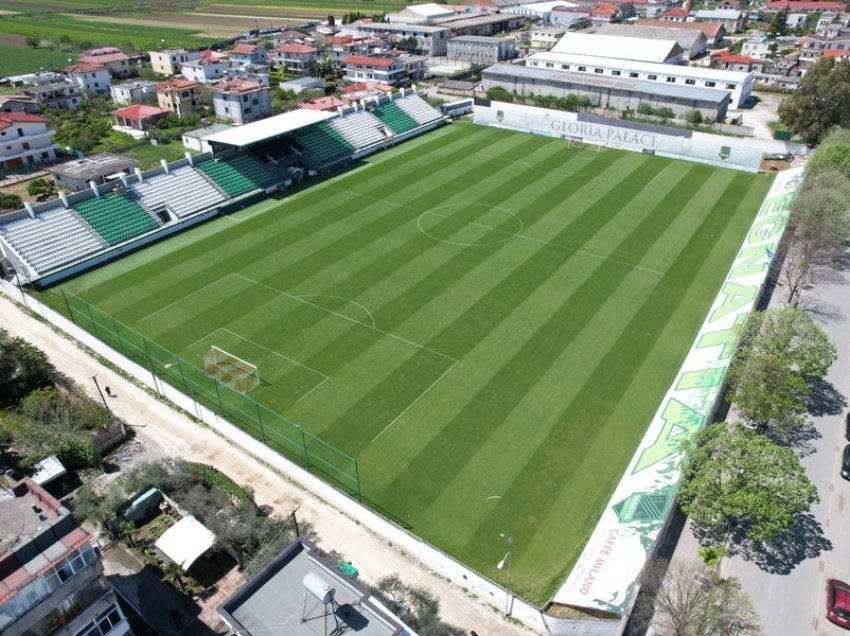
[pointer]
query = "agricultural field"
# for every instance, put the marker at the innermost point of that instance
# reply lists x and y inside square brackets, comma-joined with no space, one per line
[485,320]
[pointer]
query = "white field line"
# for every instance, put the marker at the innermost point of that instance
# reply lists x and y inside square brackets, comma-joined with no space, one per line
[376,199]
[348,318]
[557,245]
[263,210]
[418,397]
[353,302]
[560,173]
[181,299]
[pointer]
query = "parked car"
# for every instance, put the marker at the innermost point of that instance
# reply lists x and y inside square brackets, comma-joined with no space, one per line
[838,602]
[845,463]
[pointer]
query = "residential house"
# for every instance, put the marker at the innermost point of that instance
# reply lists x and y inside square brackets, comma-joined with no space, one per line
[295,58]
[804,6]
[364,90]
[478,49]
[79,174]
[203,71]
[545,37]
[139,117]
[733,20]
[604,13]
[813,45]
[244,54]
[133,91]
[110,57]
[342,46]
[729,5]
[57,95]
[675,15]
[180,96]
[328,102]
[415,66]
[51,574]
[168,61]
[93,79]
[241,101]
[756,46]
[570,16]
[729,62]
[387,70]
[18,104]
[289,36]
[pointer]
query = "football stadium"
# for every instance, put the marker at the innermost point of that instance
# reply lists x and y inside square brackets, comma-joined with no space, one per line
[469,331]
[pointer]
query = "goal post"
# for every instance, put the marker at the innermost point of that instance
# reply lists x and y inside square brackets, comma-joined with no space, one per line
[231,370]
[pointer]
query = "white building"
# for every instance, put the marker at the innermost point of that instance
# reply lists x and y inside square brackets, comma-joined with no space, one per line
[619,47]
[132,92]
[91,78]
[25,141]
[204,71]
[241,101]
[418,13]
[756,46]
[546,37]
[739,85]
[169,61]
[540,10]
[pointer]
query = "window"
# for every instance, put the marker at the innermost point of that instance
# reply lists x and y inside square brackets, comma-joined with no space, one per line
[20,132]
[711,84]
[582,68]
[652,77]
[671,80]
[633,74]
[731,87]
[549,65]
[616,73]
[103,624]
[597,70]
[690,82]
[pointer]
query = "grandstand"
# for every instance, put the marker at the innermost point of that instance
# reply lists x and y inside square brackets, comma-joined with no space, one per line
[237,175]
[116,217]
[52,238]
[183,192]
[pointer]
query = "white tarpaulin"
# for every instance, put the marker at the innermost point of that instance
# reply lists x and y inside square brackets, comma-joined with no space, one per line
[185,542]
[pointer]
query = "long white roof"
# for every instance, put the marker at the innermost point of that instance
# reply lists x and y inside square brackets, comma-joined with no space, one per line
[697,72]
[616,46]
[270,127]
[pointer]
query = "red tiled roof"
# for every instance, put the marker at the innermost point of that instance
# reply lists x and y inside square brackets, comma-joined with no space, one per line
[139,112]
[244,49]
[10,119]
[295,48]
[365,60]
[84,67]
[676,13]
[212,56]
[834,53]
[323,103]
[603,9]
[103,58]
[175,84]
[365,86]
[806,5]
[729,58]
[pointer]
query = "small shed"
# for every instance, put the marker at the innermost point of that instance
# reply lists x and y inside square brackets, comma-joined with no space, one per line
[185,542]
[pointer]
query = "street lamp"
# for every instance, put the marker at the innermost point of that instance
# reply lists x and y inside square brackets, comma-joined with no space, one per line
[508,558]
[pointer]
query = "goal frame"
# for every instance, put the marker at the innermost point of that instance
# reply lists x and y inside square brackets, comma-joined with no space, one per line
[231,370]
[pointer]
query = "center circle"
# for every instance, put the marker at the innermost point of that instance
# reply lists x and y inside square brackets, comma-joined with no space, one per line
[488,223]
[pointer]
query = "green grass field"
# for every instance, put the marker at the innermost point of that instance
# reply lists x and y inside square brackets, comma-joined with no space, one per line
[487,320]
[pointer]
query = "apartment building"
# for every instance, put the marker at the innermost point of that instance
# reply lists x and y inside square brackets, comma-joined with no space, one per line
[56,95]
[179,96]
[387,70]
[481,49]
[241,101]
[112,58]
[25,142]
[169,61]
[295,58]
[132,92]
[93,79]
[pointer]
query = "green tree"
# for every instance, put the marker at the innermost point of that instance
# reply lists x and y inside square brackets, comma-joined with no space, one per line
[734,477]
[694,117]
[33,41]
[782,354]
[23,368]
[691,600]
[10,201]
[41,188]
[416,607]
[821,102]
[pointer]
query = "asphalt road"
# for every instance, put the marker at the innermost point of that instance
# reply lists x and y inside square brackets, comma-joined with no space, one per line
[787,584]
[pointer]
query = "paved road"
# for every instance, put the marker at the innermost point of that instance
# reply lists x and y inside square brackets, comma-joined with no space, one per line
[791,600]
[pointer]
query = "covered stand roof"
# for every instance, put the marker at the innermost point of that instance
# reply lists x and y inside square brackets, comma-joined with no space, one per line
[270,128]
[185,542]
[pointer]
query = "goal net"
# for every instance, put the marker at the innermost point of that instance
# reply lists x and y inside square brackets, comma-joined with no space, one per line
[231,370]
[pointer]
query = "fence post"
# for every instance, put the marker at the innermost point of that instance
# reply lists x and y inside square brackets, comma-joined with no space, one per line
[93,324]
[118,334]
[150,364]
[68,305]
[357,477]
[180,369]
[218,395]
[304,444]
[260,420]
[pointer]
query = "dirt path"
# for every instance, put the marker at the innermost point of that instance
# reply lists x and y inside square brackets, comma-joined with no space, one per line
[173,431]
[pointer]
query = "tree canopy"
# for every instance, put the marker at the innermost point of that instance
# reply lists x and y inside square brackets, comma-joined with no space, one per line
[23,368]
[821,102]
[734,477]
[782,354]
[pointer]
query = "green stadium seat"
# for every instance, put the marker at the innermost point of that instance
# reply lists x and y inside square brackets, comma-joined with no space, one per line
[322,145]
[395,118]
[116,217]
[237,175]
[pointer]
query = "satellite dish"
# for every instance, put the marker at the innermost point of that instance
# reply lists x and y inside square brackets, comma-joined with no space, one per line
[319,587]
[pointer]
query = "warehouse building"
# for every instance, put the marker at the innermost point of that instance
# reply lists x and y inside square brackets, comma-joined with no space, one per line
[431,40]
[620,47]
[739,85]
[608,92]
[692,41]
[481,49]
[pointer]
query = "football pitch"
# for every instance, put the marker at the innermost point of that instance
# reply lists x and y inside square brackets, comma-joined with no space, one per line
[486,320]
